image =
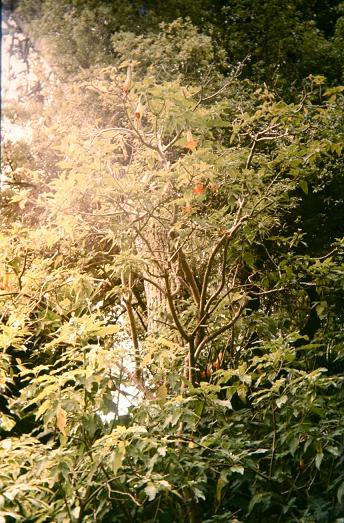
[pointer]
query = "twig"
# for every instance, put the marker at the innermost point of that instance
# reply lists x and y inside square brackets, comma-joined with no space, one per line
[173,311]
[219,331]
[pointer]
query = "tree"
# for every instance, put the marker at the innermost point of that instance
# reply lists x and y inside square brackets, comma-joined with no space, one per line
[168,223]
[279,43]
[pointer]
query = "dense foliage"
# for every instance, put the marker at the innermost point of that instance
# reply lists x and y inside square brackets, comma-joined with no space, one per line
[172,239]
[280,42]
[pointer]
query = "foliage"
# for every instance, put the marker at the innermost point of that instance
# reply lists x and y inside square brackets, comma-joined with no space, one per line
[78,34]
[280,42]
[157,250]
[178,50]
[285,41]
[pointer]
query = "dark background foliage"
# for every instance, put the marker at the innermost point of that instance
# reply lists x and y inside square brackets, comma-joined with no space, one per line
[221,165]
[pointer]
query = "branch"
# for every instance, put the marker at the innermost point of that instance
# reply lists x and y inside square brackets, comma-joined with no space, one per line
[211,96]
[262,136]
[122,130]
[155,148]
[234,76]
[250,156]
[223,278]
[127,301]
[227,293]
[21,274]
[219,331]
[208,313]
[173,141]
[228,235]
[154,283]
[173,311]
[150,250]
[190,279]
[262,293]
[207,273]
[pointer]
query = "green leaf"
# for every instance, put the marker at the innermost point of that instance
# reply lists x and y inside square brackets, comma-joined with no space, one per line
[263,497]
[224,403]
[340,492]
[318,459]
[165,484]
[249,258]
[304,186]
[221,482]
[236,296]
[61,419]
[293,444]
[321,309]
[333,450]
[242,392]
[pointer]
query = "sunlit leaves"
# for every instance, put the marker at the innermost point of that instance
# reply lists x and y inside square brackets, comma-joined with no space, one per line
[61,420]
[152,181]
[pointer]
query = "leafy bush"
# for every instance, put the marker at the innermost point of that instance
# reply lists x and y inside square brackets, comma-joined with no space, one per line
[172,334]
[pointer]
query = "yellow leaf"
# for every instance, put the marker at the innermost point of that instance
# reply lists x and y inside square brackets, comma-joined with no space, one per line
[46,405]
[6,423]
[161,391]
[61,419]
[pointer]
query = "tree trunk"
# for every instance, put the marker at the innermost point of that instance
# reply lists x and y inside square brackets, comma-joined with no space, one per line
[154,248]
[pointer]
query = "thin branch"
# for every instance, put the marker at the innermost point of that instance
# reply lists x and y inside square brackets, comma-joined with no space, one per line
[263,293]
[223,277]
[173,311]
[262,136]
[71,519]
[273,444]
[209,313]
[155,148]
[219,331]
[127,301]
[123,130]
[250,156]
[221,89]
[211,96]
[190,279]
[150,250]
[21,274]
[154,283]
[172,142]
[207,273]
[227,236]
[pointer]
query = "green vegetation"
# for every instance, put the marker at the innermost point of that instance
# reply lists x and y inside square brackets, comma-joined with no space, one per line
[176,226]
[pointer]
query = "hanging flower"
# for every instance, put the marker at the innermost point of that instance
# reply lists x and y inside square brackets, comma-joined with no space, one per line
[190,142]
[139,111]
[198,188]
[128,81]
